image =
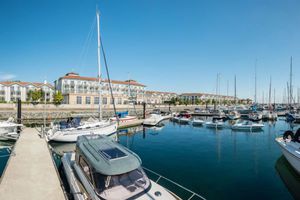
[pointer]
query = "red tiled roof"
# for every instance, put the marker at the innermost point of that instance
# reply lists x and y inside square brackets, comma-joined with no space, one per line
[152,92]
[201,94]
[104,80]
[8,83]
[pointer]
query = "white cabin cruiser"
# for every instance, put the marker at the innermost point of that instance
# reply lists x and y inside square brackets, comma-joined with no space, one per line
[196,121]
[247,125]
[233,115]
[215,124]
[290,147]
[69,131]
[255,116]
[103,169]
[153,120]
[9,129]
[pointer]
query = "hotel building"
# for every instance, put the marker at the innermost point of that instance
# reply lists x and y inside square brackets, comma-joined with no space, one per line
[204,96]
[78,89]
[10,91]
[156,97]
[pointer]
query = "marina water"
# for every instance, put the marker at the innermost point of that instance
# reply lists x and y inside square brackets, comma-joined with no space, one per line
[218,164]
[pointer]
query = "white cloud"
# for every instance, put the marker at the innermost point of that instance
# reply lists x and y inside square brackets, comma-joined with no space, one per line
[6,76]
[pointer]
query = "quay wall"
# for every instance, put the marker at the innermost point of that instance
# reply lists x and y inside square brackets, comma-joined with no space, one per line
[34,114]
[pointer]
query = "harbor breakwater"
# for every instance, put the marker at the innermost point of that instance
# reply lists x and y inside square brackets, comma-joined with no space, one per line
[35,114]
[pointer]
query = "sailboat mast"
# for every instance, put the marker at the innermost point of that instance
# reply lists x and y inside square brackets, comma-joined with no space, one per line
[270,93]
[255,87]
[291,79]
[235,89]
[99,69]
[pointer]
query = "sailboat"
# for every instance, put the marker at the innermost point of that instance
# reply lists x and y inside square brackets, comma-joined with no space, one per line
[234,114]
[269,114]
[255,115]
[70,130]
[292,115]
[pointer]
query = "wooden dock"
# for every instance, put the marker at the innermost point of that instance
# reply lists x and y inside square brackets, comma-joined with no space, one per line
[30,172]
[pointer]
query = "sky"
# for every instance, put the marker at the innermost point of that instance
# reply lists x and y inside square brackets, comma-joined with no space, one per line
[168,45]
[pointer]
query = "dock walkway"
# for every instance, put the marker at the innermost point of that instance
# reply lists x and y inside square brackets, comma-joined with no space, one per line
[30,172]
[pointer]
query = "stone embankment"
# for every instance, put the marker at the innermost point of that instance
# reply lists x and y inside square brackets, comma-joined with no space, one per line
[34,114]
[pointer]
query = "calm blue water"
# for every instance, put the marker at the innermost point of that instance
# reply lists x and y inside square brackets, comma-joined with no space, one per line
[216,164]
[4,155]
[221,164]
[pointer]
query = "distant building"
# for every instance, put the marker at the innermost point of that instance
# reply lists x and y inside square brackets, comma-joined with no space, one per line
[10,91]
[204,96]
[78,89]
[156,97]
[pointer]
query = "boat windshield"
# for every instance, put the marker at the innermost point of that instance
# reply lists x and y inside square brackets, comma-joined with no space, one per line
[121,186]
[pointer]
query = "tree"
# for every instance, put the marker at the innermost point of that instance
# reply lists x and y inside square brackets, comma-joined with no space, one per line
[58,98]
[36,95]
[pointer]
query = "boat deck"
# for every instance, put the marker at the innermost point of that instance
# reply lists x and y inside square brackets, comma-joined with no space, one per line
[30,171]
[131,123]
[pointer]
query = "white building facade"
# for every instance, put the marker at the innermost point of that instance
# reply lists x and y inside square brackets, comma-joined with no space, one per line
[157,97]
[204,96]
[78,89]
[10,91]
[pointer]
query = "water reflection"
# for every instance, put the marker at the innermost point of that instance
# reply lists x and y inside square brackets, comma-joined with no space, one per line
[289,176]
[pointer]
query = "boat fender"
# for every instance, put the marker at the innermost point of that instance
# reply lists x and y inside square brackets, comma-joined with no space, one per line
[296,137]
[288,135]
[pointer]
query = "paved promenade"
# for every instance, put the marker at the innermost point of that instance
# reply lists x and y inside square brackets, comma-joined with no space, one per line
[30,173]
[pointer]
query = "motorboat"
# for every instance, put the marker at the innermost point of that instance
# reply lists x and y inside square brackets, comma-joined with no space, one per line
[70,130]
[293,117]
[215,124]
[197,122]
[218,115]
[290,145]
[184,118]
[103,169]
[9,129]
[269,115]
[153,120]
[233,115]
[247,125]
[255,116]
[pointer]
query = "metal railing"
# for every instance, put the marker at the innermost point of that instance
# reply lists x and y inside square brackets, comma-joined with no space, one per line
[160,177]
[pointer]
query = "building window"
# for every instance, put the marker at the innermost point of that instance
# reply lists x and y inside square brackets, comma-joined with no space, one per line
[96,100]
[87,100]
[104,100]
[79,100]
[119,100]
[111,101]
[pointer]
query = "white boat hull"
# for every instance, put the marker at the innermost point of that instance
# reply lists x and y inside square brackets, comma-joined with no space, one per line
[214,125]
[291,154]
[71,134]
[155,119]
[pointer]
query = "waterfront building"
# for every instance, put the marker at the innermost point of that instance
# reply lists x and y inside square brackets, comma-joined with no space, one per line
[156,97]
[193,97]
[10,91]
[78,89]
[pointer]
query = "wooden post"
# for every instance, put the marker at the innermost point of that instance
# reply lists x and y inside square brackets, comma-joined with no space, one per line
[144,110]
[19,114]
